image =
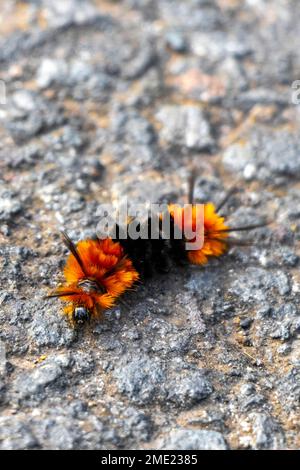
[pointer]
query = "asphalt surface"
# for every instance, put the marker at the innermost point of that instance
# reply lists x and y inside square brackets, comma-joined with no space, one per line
[107,99]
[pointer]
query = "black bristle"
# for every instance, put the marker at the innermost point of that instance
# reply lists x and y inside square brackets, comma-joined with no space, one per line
[152,255]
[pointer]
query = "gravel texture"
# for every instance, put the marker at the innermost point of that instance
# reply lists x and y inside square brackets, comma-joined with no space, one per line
[112,98]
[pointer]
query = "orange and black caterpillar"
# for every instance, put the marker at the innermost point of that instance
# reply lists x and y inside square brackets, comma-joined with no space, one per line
[98,272]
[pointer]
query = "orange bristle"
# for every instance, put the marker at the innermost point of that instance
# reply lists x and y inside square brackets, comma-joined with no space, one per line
[215,232]
[103,262]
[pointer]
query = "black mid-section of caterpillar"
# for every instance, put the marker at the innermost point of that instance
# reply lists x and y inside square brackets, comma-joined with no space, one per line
[150,255]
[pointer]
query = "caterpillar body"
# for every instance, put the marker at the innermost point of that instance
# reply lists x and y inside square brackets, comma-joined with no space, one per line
[98,271]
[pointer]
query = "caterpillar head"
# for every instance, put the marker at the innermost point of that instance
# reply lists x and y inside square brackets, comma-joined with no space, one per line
[96,274]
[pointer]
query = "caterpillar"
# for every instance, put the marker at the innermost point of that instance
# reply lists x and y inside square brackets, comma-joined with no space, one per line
[98,271]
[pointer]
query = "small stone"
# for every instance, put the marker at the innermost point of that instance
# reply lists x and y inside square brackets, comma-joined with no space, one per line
[247,389]
[15,434]
[3,362]
[176,41]
[29,113]
[131,127]
[141,60]
[59,14]
[189,389]
[9,205]
[138,424]
[284,349]
[84,363]
[246,323]
[186,126]
[282,331]
[24,100]
[49,72]
[2,391]
[141,380]
[249,171]
[59,432]
[185,439]
[267,432]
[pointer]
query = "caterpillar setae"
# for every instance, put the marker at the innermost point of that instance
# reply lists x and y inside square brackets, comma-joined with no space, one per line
[99,271]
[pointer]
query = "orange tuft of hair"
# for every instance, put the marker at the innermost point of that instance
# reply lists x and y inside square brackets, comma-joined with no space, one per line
[103,263]
[215,231]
